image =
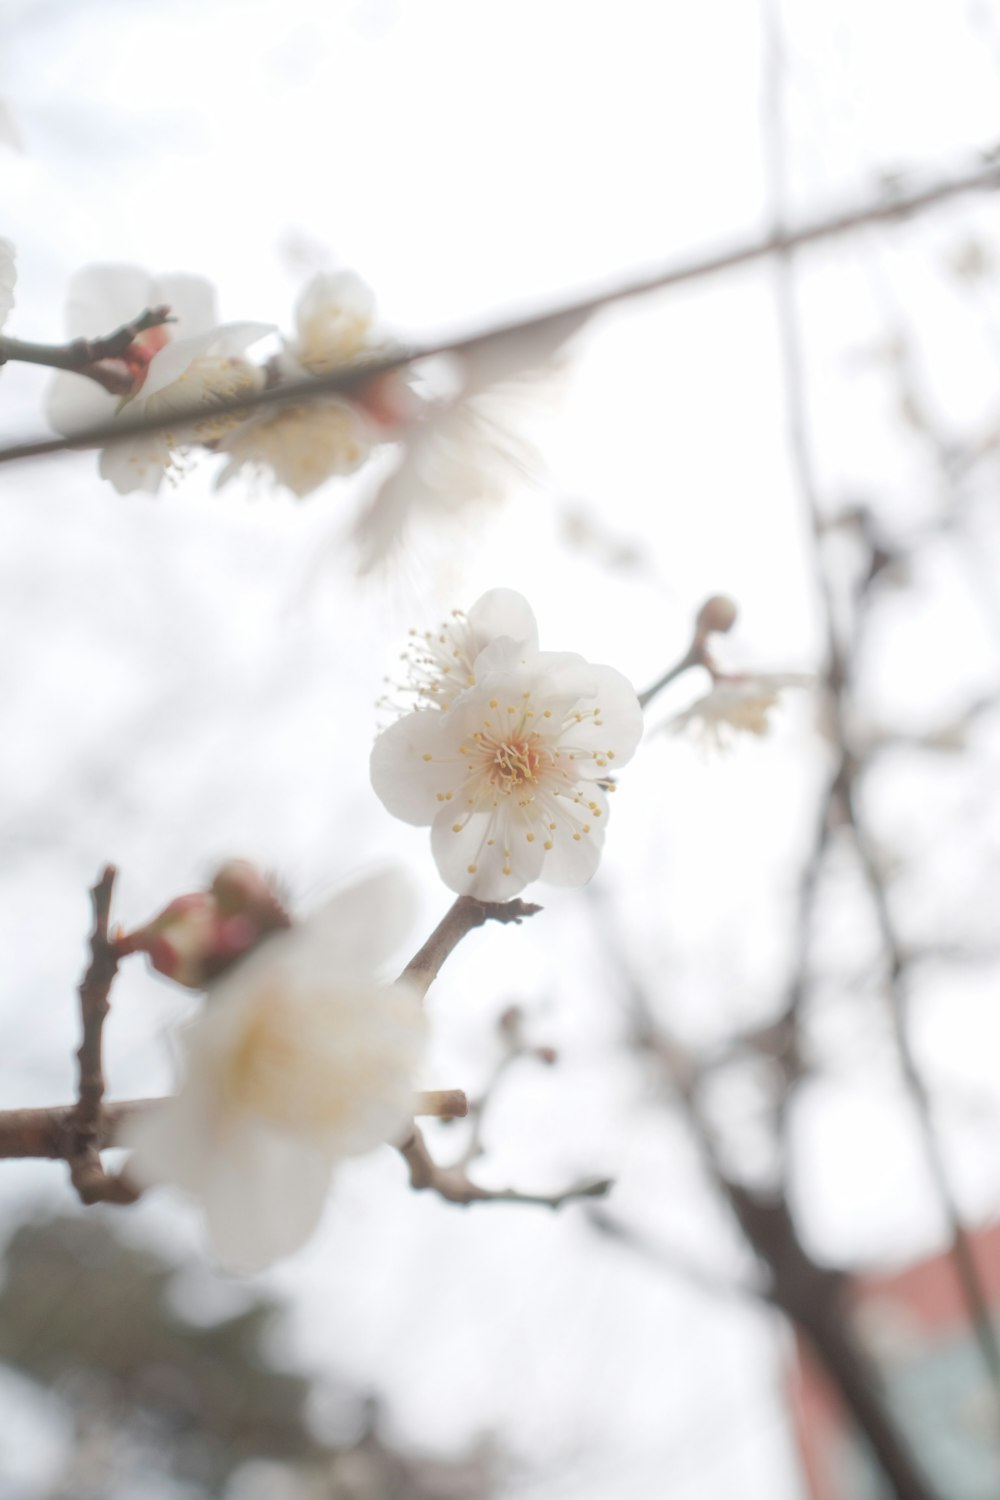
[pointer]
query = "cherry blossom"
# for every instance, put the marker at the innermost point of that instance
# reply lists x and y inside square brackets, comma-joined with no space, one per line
[190,360]
[466,447]
[736,705]
[303,445]
[441,663]
[512,773]
[298,1060]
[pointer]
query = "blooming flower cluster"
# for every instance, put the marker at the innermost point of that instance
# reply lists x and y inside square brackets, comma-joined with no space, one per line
[452,449]
[191,360]
[298,1060]
[509,754]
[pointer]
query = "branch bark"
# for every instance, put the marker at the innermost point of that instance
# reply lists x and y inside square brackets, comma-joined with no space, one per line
[462,917]
[455,1186]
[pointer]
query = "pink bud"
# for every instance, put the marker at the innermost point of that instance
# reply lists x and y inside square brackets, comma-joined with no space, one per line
[198,936]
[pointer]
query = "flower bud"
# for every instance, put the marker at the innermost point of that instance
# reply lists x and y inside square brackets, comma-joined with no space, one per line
[198,936]
[717,615]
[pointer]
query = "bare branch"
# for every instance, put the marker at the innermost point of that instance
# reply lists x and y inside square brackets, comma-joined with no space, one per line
[455,1186]
[464,914]
[84,1155]
[889,206]
[87,356]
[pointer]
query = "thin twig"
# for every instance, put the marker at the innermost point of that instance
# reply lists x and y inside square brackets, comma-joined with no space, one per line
[455,1186]
[90,357]
[889,206]
[86,1169]
[691,658]
[462,917]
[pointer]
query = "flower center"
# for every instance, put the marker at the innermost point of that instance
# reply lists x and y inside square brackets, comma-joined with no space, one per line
[282,1071]
[514,763]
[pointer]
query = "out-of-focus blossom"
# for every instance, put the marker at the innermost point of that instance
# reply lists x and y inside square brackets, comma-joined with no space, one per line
[441,664]
[466,448]
[199,935]
[8,279]
[511,774]
[188,361]
[334,320]
[299,1060]
[299,446]
[302,446]
[736,705]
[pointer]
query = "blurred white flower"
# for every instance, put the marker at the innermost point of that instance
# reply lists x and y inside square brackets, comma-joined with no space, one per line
[511,774]
[304,445]
[736,705]
[298,1060]
[465,448]
[334,320]
[440,663]
[189,360]
[8,279]
[300,446]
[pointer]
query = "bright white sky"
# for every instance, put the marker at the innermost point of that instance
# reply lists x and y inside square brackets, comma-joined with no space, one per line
[194,677]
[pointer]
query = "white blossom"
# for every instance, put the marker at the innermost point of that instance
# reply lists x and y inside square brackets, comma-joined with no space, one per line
[301,446]
[187,361]
[8,278]
[466,448]
[334,320]
[512,773]
[736,705]
[298,1060]
[441,663]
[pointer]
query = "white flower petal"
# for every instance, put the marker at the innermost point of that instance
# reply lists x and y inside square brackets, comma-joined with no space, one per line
[503,613]
[176,358]
[136,464]
[74,402]
[356,931]
[617,727]
[486,854]
[577,839]
[333,317]
[414,768]
[103,297]
[263,1196]
[191,300]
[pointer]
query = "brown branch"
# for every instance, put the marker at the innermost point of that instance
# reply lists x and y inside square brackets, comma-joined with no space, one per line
[455,1186]
[80,356]
[51,1132]
[464,914]
[94,1006]
[83,1152]
[891,205]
